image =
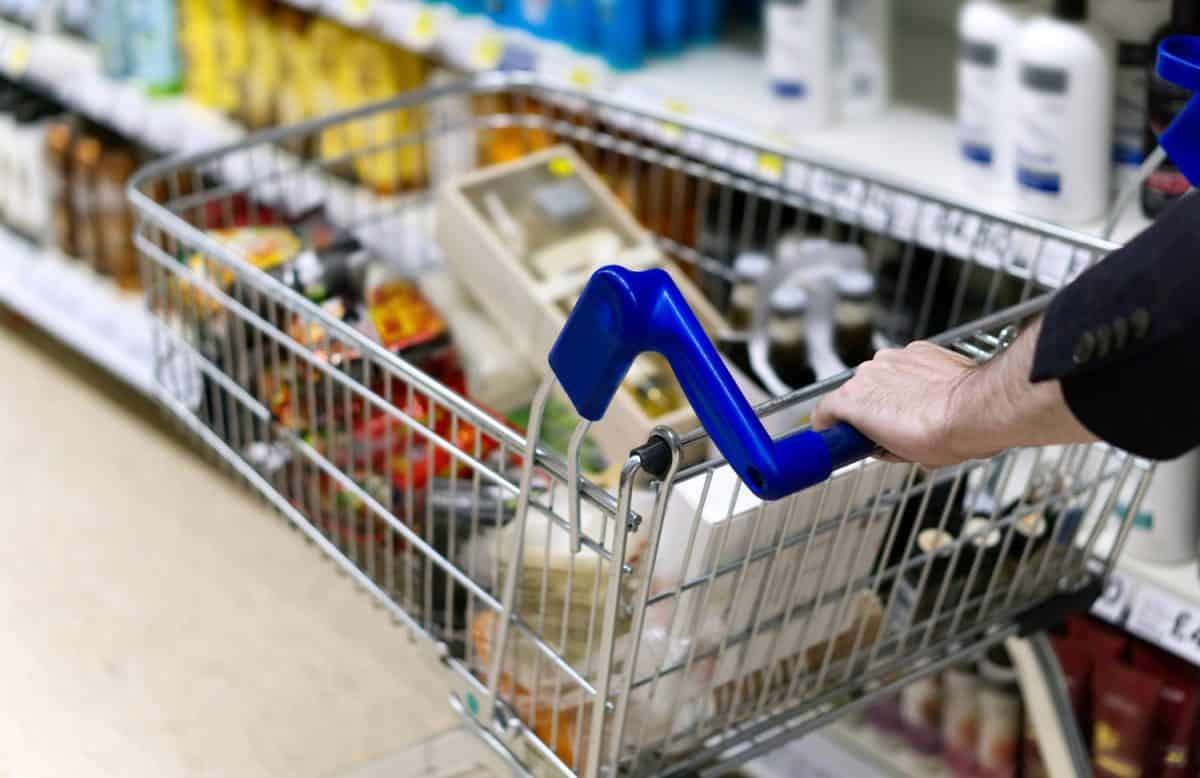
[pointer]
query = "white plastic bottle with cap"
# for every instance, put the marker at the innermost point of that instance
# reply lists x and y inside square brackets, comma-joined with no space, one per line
[987,78]
[1165,528]
[863,53]
[1133,24]
[1064,116]
[800,62]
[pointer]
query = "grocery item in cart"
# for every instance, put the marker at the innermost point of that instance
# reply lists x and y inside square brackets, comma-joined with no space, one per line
[523,238]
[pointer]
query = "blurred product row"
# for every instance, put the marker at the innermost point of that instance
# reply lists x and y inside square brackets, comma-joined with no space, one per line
[1137,707]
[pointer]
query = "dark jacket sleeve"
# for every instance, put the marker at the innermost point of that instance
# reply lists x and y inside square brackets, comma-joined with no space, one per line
[1124,340]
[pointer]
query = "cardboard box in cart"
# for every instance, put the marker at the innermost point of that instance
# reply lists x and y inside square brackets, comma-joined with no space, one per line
[524,238]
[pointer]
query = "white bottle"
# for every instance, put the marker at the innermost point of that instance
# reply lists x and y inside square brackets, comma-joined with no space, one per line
[1133,24]
[1165,530]
[863,54]
[800,62]
[987,78]
[1064,116]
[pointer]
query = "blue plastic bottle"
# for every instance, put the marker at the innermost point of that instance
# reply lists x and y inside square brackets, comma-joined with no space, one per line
[623,33]
[583,25]
[558,20]
[465,6]
[112,38]
[535,17]
[154,26]
[668,26]
[705,21]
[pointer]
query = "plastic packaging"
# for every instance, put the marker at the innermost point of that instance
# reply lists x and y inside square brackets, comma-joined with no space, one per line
[1064,116]
[668,25]
[800,62]
[623,32]
[153,28]
[987,78]
[109,30]
[1165,529]
[1133,23]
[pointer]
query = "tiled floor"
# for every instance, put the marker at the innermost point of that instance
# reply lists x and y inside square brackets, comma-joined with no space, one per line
[158,620]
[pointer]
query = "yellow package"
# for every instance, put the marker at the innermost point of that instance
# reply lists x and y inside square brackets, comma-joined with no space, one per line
[328,40]
[296,97]
[262,75]
[265,248]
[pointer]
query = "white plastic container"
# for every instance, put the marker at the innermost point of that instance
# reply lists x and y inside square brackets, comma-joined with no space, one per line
[1166,528]
[800,62]
[1064,116]
[1132,23]
[987,79]
[863,53]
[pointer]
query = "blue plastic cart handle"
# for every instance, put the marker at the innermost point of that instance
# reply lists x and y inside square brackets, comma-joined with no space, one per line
[623,313]
[1179,62]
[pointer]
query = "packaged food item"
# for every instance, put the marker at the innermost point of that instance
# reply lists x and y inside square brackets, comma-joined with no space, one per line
[496,373]
[999,716]
[114,217]
[960,720]
[60,139]
[1124,702]
[1174,726]
[295,99]
[788,332]
[152,28]
[921,708]
[85,164]
[885,716]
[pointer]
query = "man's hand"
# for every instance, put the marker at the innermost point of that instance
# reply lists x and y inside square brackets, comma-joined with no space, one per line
[931,406]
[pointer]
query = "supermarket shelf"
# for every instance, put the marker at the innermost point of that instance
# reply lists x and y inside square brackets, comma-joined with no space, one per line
[84,311]
[912,144]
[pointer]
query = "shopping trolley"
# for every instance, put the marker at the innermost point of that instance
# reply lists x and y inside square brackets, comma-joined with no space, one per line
[732,586]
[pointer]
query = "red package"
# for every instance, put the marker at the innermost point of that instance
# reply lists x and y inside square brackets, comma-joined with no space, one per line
[1104,643]
[1178,709]
[1076,662]
[1124,701]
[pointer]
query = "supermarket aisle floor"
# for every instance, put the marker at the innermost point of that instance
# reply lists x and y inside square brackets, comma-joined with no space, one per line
[160,621]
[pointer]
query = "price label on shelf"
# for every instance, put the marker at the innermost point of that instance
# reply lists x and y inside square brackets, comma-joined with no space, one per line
[356,12]
[423,29]
[770,166]
[932,226]
[1166,621]
[1114,602]
[993,246]
[962,233]
[17,51]
[487,51]
[905,209]
[877,209]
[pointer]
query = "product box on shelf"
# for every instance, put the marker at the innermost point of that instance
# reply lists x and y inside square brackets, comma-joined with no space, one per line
[524,237]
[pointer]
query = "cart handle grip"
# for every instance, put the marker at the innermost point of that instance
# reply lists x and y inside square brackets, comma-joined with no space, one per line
[623,313]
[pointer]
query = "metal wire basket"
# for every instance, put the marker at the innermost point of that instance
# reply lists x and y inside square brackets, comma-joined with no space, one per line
[667,621]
